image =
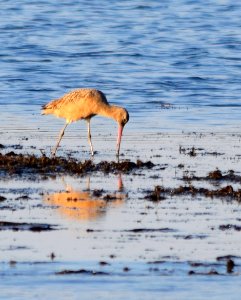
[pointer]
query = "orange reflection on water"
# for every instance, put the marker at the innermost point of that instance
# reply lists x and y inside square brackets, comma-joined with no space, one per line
[85,205]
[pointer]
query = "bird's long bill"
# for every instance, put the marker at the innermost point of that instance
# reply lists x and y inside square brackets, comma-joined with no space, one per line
[120,130]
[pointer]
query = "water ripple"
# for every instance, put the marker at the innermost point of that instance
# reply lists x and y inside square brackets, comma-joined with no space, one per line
[186,53]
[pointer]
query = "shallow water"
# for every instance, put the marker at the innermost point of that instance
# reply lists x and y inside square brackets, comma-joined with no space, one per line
[161,282]
[156,241]
[175,65]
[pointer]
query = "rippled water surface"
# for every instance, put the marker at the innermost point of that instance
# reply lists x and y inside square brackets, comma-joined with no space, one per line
[176,66]
[142,54]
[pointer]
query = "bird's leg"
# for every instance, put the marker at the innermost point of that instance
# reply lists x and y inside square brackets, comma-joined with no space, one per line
[89,138]
[60,137]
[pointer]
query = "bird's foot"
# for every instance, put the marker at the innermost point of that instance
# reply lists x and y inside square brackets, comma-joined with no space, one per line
[53,154]
[93,153]
[117,157]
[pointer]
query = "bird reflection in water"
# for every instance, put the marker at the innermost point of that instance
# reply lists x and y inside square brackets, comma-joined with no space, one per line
[88,204]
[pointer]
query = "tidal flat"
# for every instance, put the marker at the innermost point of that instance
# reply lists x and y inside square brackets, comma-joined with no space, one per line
[163,220]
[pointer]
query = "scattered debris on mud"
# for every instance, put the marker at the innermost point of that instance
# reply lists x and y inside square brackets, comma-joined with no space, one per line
[19,164]
[229,264]
[156,194]
[160,193]
[197,151]
[35,227]
[216,175]
[2,198]
[81,271]
[211,272]
[145,230]
[230,227]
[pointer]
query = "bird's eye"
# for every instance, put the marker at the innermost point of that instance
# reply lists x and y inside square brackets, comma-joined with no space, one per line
[124,121]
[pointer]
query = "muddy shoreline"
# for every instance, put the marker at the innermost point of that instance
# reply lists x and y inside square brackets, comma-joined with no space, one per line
[20,165]
[162,213]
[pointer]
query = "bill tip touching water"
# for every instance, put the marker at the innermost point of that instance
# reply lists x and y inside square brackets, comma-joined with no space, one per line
[84,104]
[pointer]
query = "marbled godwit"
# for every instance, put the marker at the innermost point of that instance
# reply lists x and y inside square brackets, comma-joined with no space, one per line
[85,104]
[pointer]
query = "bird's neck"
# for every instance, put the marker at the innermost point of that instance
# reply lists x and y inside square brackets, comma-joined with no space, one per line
[110,111]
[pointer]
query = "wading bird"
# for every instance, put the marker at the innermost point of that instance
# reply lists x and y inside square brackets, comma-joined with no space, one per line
[85,104]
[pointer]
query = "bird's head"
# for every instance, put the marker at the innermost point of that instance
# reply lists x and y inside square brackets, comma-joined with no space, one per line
[121,116]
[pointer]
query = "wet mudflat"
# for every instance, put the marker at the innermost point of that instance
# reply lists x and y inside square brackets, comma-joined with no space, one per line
[164,220]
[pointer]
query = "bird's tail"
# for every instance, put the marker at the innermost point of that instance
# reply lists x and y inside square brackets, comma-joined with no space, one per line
[48,108]
[45,110]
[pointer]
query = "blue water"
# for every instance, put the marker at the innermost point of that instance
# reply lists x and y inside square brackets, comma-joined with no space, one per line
[142,54]
[162,284]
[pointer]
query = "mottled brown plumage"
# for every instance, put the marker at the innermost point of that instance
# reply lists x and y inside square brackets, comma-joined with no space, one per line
[85,104]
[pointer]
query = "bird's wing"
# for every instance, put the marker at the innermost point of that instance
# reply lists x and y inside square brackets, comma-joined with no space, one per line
[73,97]
[51,105]
[76,97]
